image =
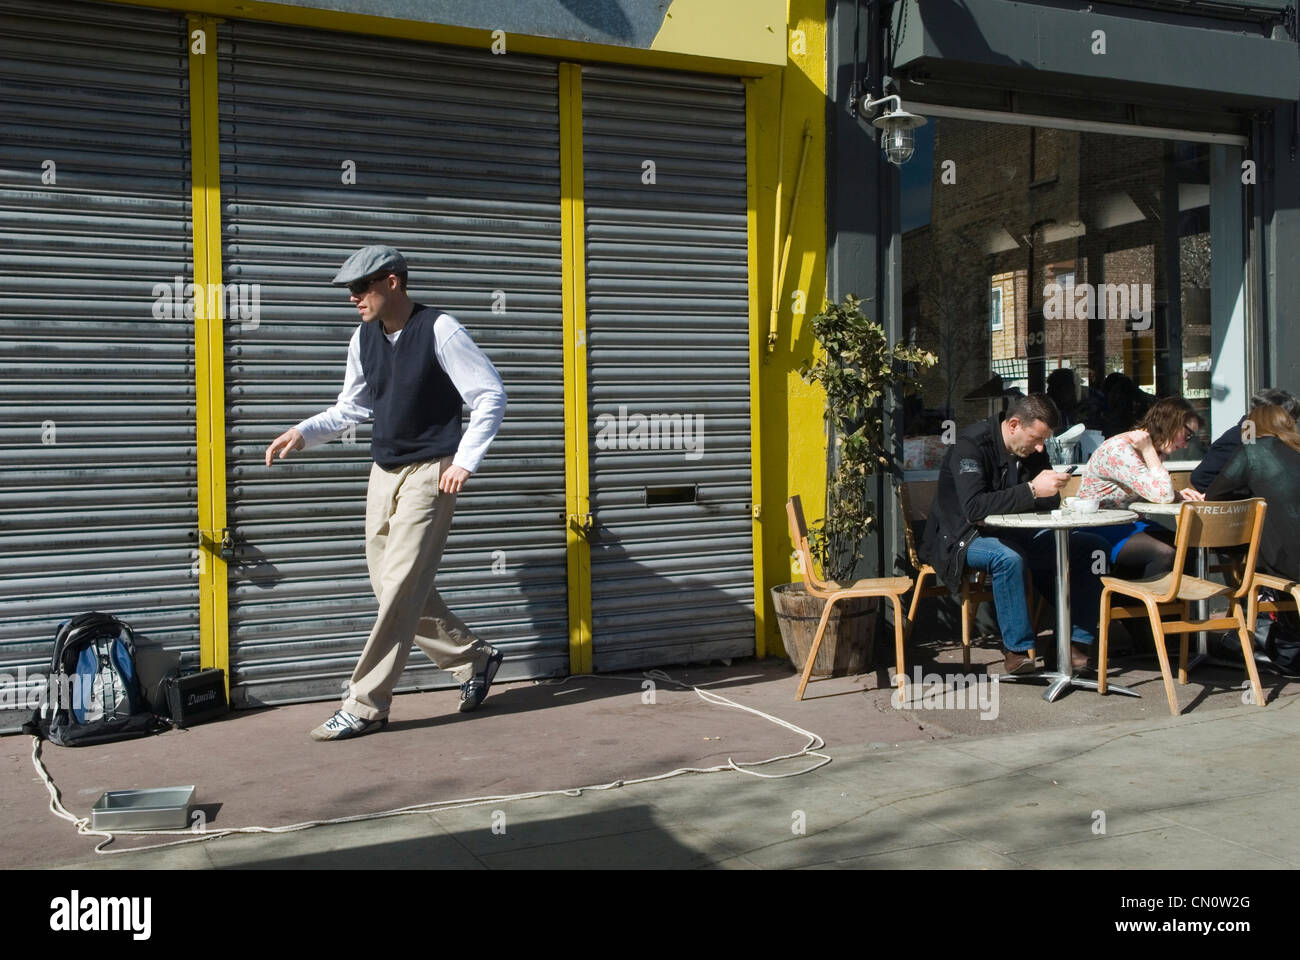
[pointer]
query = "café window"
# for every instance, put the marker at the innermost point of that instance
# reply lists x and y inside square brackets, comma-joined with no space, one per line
[1094,251]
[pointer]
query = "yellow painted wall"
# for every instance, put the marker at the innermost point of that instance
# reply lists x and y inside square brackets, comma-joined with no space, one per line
[792,430]
[750,30]
[695,42]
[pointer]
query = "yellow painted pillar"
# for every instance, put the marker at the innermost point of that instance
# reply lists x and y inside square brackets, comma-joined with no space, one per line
[577,490]
[209,367]
[757,350]
[789,449]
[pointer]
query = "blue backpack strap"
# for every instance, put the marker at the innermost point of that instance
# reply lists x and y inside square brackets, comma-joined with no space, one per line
[83,681]
[123,656]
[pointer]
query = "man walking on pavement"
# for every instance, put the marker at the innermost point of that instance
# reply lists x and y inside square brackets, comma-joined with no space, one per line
[409,367]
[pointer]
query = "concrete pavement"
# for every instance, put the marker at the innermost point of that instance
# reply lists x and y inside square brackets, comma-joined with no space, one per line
[1085,782]
[1200,793]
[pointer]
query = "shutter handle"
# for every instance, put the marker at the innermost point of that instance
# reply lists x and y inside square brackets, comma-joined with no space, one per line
[581,523]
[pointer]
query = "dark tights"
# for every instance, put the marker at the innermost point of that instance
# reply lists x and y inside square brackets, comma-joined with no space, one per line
[1147,556]
[1144,556]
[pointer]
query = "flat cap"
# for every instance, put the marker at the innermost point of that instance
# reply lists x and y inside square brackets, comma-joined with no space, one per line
[368,261]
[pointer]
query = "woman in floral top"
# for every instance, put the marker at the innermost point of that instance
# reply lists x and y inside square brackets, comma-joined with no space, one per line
[1129,467]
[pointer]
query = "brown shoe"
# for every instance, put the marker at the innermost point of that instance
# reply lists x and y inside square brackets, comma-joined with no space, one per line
[1081,657]
[1018,663]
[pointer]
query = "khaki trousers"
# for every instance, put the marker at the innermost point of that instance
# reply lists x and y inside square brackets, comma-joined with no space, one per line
[407,519]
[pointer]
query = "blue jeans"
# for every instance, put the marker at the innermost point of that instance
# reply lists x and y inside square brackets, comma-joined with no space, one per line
[1012,556]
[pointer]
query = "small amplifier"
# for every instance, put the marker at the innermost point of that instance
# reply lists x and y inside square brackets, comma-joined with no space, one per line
[195,698]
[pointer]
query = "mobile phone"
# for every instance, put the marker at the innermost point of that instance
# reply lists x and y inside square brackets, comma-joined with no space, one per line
[1071,468]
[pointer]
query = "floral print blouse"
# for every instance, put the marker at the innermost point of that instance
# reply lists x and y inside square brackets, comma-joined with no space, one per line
[1117,476]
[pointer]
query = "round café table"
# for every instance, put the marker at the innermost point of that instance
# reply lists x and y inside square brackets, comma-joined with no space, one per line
[1156,509]
[1063,677]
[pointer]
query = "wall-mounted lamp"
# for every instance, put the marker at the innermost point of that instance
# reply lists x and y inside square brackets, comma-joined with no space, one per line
[896,126]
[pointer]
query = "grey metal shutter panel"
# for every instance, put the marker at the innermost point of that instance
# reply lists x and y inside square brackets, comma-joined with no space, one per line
[457,165]
[668,334]
[98,496]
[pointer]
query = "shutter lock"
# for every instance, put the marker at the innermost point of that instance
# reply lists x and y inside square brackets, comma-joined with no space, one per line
[218,541]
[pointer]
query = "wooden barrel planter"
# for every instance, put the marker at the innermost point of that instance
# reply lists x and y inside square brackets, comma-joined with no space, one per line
[850,633]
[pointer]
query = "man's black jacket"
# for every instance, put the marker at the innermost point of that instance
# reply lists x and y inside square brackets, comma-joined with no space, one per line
[978,477]
[1217,457]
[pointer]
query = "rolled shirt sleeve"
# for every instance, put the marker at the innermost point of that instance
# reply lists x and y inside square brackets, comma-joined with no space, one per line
[352,407]
[479,385]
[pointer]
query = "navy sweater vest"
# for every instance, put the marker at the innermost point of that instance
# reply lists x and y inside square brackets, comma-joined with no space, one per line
[416,406]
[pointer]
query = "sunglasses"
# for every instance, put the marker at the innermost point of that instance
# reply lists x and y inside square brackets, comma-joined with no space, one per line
[358,287]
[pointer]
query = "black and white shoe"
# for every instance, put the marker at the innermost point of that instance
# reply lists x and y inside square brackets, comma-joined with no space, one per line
[344,725]
[475,689]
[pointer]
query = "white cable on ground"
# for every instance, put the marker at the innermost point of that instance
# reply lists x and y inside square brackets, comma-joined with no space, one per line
[814,742]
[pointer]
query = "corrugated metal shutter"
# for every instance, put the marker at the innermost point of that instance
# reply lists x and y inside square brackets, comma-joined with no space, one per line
[668,333]
[98,496]
[456,159]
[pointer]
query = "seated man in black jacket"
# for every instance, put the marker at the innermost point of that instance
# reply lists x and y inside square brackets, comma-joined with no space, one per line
[998,466]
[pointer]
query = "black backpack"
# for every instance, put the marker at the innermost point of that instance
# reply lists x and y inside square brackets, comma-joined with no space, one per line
[94,695]
[1282,644]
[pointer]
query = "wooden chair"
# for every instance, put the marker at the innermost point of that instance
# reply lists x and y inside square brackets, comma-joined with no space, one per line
[1255,606]
[1204,524]
[833,593]
[915,499]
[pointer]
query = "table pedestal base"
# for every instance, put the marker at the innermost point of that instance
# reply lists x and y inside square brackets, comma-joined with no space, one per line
[1058,684]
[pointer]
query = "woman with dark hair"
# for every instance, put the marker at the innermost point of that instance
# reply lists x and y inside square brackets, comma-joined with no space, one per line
[1268,466]
[1130,466]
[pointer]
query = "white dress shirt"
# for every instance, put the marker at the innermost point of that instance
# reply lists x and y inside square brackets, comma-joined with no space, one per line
[471,373]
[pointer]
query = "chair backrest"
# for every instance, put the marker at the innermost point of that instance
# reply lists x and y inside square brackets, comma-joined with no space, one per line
[1071,488]
[916,498]
[799,536]
[798,527]
[1181,479]
[1211,524]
